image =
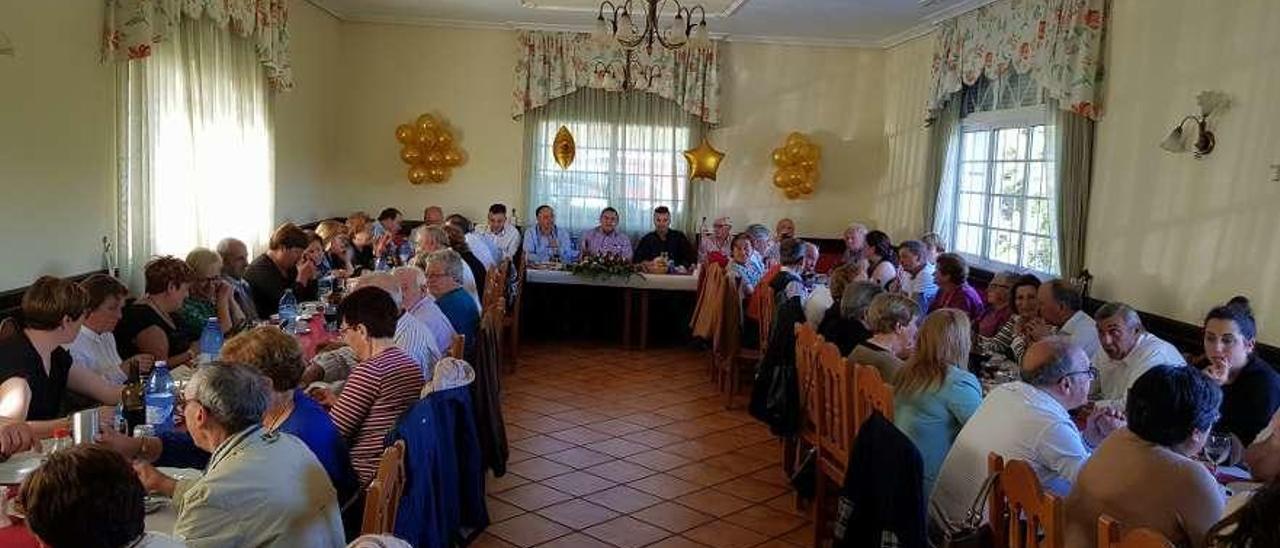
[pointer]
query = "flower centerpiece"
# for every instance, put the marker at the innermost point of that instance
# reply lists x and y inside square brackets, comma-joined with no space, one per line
[607,265]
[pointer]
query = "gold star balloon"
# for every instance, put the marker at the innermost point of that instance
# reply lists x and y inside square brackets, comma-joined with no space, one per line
[704,161]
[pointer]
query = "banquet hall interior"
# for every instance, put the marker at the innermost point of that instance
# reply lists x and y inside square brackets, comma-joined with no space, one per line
[572,273]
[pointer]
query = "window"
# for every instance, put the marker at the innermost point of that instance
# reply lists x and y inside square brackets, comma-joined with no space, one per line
[629,155]
[1003,206]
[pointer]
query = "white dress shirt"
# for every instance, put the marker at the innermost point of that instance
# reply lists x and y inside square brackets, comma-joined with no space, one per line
[483,248]
[97,352]
[430,315]
[415,339]
[508,241]
[1083,331]
[1016,421]
[1116,376]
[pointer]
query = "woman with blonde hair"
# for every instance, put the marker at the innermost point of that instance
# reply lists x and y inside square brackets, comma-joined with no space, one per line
[210,297]
[935,394]
[335,245]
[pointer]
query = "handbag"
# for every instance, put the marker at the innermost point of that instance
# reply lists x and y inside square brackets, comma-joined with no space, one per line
[970,532]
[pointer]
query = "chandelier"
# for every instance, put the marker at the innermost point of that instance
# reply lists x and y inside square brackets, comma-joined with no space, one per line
[617,21]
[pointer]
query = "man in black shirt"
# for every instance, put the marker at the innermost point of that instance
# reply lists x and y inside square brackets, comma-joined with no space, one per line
[664,240]
[282,267]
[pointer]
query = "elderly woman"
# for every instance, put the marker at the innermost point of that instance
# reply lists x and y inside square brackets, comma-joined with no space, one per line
[1146,475]
[882,259]
[1250,385]
[146,325]
[747,270]
[95,345]
[935,394]
[384,384]
[954,291]
[855,243]
[210,297]
[717,245]
[763,250]
[1009,340]
[261,488]
[893,320]
[848,328]
[999,307]
[87,496]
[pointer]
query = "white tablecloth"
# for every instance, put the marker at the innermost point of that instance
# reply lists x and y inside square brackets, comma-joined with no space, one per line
[664,282]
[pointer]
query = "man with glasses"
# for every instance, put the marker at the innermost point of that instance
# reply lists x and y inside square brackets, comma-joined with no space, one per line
[1027,420]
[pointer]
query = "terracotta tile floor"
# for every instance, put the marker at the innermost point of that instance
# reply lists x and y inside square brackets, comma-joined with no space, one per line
[628,449]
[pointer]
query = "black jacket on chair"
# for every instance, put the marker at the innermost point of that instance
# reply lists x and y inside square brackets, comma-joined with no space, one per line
[883,489]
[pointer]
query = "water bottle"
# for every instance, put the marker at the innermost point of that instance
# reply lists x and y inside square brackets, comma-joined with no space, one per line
[380,264]
[288,311]
[326,288]
[160,398]
[210,341]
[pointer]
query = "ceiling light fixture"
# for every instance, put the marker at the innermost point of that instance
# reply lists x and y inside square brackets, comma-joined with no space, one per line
[618,21]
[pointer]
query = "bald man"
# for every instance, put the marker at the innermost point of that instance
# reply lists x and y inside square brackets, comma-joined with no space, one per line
[433,215]
[1027,420]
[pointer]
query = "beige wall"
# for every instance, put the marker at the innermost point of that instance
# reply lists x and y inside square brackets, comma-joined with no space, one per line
[56,134]
[1169,233]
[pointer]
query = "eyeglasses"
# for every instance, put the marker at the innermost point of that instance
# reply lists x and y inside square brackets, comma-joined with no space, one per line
[1092,372]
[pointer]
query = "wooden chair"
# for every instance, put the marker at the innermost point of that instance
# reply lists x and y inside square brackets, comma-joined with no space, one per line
[1110,536]
[511,320]
[727,352]
[1022,512]
[871,394]
[458,346]
[836,430]
[8,328]
[807,344]
[382,497]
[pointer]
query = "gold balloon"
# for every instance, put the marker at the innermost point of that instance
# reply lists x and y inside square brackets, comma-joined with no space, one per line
[427,121]
[410,154]
[444,139]
[452,158]
[779,180]
[418,175]
[434,158]
[564,148]
[405,134]
[704,161]
[779,157]
[438,174]
[792,193]
[427,138]
[797,162]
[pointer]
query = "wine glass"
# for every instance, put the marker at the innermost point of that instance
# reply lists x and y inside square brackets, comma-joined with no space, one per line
[1217,449]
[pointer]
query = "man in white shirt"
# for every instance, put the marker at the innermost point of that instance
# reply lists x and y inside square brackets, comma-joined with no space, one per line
[1060,313]
[1128,351]
[915,278]
[1026,420]
[419,303]
[412,335]
[503,234]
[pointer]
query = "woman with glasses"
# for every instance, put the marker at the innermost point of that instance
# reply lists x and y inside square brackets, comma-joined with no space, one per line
[210,297]
[1147,475]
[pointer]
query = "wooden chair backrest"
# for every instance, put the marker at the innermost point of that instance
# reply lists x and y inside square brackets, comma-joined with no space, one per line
[8,328]
[727,340]
[836,428]
[871,394]
[767,309]
[1031,515]
[807,344]
[495,287]
[458,346]
[996,510]
[382,497]
[1112,535]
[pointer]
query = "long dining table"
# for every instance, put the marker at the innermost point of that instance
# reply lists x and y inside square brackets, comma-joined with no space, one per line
[640,286]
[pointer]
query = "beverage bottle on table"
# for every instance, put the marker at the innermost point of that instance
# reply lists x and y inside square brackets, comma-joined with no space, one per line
[61,440]
[160,398]
[132,407]
[288,311]
[210,341]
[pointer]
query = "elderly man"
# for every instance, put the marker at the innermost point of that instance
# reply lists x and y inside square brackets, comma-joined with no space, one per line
[235,260]
[785,229]
[388,242]
[718,244]
[664,240]
[444,280]
[763,249]
[916,275]
[546,242]
[412,335]
[606,239]
[281,268]
[433,215]
[419,303]
[505,235]
[1027,420]
[260,489]
[1060,313]
[1128,351]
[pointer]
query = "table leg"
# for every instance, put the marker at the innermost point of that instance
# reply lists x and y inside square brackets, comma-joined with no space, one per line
[626,318]
[644,319]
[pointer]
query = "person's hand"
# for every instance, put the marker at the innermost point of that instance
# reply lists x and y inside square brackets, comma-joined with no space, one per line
[154,481]
[1102,422]
[381,244]
[1218,370]
[323,396]
[340,273]
[121,444]
[222,291]
[15,437]
[144,362]
[1035,329]
[306,271]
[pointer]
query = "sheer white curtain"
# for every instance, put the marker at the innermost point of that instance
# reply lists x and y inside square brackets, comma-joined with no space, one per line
[195,146]
[630,149]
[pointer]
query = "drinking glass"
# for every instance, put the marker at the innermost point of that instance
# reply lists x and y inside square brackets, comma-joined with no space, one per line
[1217,449]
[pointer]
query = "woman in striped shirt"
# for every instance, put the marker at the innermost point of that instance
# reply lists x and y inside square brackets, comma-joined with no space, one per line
[382,387]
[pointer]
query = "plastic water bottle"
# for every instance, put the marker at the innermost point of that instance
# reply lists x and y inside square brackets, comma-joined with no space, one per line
[160,398]
[210,341]
[288,311]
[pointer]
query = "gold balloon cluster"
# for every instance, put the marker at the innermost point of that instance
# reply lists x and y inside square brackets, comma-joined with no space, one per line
[797,163]
[429,149]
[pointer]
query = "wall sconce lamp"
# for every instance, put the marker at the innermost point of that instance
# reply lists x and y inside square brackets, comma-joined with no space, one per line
[1211,102]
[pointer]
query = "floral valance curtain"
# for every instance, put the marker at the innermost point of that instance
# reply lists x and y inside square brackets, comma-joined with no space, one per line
[554,64]
[135,27]
[1058,42]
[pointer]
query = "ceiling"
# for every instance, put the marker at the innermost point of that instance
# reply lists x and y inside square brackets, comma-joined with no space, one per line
[868,23]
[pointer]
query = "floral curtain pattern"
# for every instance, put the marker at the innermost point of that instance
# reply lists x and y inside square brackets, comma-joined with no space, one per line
[1059,42]
[551,65]
[134,28]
